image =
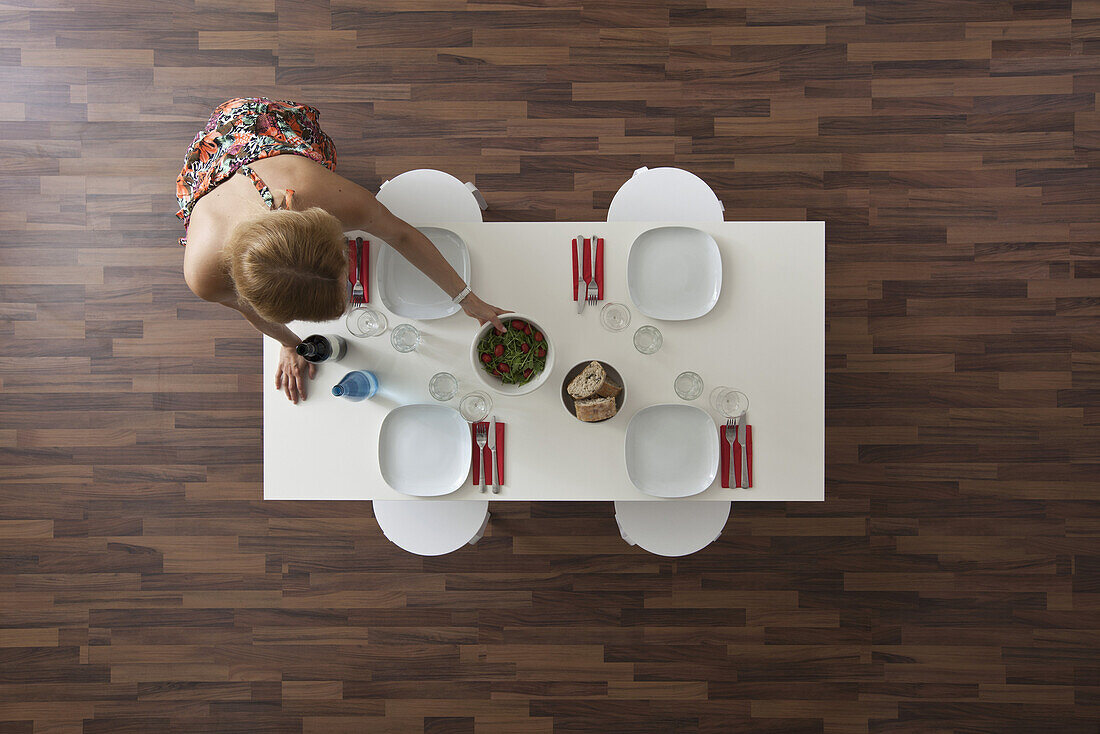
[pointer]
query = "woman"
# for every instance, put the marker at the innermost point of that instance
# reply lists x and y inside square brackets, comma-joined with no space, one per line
[265,216]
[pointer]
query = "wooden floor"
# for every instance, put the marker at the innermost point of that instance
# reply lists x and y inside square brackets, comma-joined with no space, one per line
[950,582]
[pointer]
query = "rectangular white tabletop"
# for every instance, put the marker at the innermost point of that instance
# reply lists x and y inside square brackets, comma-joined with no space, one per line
[765,337]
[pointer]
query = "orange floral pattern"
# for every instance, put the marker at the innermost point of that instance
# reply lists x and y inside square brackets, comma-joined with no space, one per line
[244,130]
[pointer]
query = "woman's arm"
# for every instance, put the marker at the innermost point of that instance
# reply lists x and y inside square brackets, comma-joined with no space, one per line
[292,370]
[357,208]
[278,332]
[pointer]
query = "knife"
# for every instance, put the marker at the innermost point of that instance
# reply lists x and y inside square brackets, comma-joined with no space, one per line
[744,451]
[584,265]
[493,454]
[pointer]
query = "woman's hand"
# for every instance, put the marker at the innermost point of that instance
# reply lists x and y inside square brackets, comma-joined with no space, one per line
[482,311]
[290,375]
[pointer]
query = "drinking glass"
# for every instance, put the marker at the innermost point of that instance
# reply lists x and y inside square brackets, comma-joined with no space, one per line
[688,385]
[648,339]
[443,386]
[615,316]
[475,406]
[366,322]
[729,402]
[405,337]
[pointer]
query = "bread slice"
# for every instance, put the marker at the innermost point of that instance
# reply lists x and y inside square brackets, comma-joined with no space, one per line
[592,381]
[591,410]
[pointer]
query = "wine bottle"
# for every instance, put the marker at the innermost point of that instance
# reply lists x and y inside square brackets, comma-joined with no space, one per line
[322,348]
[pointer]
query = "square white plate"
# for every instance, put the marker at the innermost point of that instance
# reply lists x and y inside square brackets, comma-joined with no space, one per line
[424,450]
[674,273]
[407,292]
[671,450]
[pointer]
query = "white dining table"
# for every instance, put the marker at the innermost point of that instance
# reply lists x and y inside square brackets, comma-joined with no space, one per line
[765,336]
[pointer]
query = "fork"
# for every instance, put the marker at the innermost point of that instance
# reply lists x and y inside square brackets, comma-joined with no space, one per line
[731,429]
[357,297]
[482,436]
[593,293]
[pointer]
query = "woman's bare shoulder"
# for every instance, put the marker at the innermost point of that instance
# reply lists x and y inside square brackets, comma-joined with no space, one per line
[316,185]
[202,263]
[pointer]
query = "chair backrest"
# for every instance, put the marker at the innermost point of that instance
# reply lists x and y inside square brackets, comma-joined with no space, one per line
[431,527]
[427,196]
[665,195]
[672,528]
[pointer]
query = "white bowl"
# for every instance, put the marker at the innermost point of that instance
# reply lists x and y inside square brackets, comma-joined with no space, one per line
[492,382]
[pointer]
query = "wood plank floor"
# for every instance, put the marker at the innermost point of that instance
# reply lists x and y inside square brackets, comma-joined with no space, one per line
[950,582]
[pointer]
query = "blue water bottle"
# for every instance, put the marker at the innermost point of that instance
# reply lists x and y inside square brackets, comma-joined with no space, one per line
[356,385]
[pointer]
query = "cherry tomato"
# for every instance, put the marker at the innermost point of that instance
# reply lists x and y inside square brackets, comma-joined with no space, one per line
[498,350]
[528,330]
[541,352]
[524,348]
[486,358]
[538,336]
[518,325]
[503,367]
[527,372]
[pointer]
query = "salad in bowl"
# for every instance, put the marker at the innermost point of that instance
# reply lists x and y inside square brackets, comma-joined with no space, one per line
[515,362]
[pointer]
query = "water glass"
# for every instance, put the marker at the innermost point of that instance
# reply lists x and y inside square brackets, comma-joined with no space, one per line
[443,386]
[365,322]
[405,337]
[475,406]
[729,402]
[615,316]
[648,339]
[688,385]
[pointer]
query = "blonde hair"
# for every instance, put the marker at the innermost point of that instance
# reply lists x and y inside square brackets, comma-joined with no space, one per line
[290,265]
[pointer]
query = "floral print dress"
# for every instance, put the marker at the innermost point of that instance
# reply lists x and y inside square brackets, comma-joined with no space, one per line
[244,130]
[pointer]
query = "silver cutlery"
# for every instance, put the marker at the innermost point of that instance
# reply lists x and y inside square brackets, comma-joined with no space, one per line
[493,454]
[731,436]
[481,438]
[582,296]
[357,297]
[744,451]
[593,286]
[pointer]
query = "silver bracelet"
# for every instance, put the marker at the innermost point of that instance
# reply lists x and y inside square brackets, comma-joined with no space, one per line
[461,294]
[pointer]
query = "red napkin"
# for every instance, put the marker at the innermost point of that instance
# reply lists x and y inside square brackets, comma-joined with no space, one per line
[364,268]
[748,452]
[599,269]
[576,279]
[500,453]
[351,263]
[724,457]
[587,264]
[473,452]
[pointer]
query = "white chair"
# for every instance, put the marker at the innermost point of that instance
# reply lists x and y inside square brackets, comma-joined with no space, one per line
[665,195]
[672,528]
[425,195]
[432,527]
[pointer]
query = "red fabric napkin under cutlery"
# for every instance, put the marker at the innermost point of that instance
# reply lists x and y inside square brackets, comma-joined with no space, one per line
[352,265]
[587,255]
[724,458]
[500,453]
[599,269]
[748,453]
[576,277]
[474,458]
[364,270]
